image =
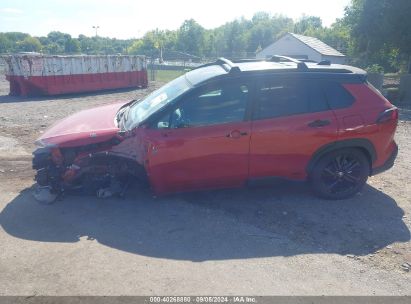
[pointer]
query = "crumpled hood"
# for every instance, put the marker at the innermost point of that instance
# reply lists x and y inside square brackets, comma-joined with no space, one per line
[82,128]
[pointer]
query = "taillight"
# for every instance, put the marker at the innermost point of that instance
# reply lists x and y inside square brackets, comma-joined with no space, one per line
[388,115]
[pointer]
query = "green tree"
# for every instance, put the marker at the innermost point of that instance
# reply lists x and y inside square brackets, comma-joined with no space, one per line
[72,46]
[88,45]
[16,36]
[379,30]
[136,47]
[236,38]
[58,39]
[266,29]
[307,23]
[5,44]
[29,44]
[190,38]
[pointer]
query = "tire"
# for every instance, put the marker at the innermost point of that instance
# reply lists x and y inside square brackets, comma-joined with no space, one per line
[340,174]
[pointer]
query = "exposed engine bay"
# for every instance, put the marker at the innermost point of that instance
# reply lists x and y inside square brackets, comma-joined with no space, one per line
[92,170]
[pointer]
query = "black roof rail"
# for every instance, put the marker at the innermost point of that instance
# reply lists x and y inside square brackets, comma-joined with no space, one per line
[308,60]
[226,64]
[300,64]
[324,62]
[248,60]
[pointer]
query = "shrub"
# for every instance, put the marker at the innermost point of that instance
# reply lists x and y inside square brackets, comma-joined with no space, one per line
[375,68]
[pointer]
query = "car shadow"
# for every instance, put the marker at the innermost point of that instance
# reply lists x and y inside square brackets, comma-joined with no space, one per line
[405,113]
[280,220]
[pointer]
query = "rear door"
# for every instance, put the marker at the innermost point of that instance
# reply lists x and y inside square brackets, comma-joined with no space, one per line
[203,142]
[291,121]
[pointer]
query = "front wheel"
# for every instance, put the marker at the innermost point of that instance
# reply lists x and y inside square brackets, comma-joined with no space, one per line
[340,174]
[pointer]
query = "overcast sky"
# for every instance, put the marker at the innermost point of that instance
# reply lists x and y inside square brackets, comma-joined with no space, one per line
[132,18]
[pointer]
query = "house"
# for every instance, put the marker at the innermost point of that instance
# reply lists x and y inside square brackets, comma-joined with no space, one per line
[302,47]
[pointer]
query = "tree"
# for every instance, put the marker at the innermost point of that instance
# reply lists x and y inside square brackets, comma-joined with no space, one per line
[266,29]
[9,41]
[16,36]
[236,38]
[29,44]
[136,47]
[51,48]
[58,39]
[5,44]
[72,46]
[190,38]
[88,45]
[379,29]
[307,23]
[371,32]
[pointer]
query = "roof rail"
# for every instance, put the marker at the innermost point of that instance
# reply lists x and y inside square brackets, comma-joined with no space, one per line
[324,62]
[248,60]
[226,64]
[300,64]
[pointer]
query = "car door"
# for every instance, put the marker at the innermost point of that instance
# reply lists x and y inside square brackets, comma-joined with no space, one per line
[203,142]
[291,121]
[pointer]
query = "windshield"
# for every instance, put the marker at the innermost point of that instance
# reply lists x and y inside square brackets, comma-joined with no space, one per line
[155,101]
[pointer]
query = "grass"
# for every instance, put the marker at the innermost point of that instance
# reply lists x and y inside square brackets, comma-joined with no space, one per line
[167,75]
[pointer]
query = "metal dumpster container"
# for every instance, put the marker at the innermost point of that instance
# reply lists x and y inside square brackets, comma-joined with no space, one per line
[32,75]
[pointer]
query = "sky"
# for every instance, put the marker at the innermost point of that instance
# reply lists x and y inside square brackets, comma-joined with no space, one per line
[125,19]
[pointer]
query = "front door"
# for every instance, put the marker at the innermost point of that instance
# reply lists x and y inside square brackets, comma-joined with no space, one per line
[203,142]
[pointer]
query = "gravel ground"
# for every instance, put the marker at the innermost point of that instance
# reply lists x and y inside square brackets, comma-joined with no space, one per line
[277,240]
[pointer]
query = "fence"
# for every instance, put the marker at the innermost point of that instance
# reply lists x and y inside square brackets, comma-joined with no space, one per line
[2,66]
[172,67]
[165,65]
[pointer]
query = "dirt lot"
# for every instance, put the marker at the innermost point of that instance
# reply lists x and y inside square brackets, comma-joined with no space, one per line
[260,241]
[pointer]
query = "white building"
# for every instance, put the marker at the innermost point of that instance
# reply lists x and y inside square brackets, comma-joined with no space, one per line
[302,47]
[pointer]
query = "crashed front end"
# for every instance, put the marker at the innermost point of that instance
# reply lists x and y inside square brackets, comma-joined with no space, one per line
[85,153]
[87,169]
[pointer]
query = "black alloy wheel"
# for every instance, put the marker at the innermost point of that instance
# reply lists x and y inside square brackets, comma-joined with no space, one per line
[340,174]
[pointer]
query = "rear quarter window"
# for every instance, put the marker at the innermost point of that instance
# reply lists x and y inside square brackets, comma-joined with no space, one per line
[337,96]
[287,97]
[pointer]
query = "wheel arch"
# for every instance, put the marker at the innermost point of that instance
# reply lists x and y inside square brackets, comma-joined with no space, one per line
[128,165]
[363,144]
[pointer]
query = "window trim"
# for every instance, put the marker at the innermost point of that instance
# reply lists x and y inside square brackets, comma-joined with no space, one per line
[341,85]
[203,89]
[279,78]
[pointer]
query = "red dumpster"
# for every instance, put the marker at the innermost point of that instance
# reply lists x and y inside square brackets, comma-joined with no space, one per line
[32,75]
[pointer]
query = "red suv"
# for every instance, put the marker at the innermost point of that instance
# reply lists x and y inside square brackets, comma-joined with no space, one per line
[226,124]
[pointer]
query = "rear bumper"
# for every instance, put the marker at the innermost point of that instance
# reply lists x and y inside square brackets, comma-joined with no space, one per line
[388,163]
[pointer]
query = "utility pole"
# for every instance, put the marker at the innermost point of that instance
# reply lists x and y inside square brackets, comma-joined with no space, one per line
[96,27]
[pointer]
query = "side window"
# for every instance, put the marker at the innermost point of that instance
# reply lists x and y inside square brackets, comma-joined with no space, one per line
[279,98]
[218,105]
[338,97]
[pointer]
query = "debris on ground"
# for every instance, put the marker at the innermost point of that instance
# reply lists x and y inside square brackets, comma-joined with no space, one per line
[406,267]
[44,195]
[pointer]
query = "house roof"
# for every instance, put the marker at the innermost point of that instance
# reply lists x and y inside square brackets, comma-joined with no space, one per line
[317,45]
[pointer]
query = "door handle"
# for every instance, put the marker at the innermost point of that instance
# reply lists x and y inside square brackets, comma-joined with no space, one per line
[236,134]
[319,123]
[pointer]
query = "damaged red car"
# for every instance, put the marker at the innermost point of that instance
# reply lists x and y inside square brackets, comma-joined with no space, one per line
[227,124]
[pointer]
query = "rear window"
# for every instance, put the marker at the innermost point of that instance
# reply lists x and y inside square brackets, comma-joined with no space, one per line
[279,98]
[337,96]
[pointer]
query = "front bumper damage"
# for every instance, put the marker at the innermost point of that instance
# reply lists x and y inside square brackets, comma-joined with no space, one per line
[100,173]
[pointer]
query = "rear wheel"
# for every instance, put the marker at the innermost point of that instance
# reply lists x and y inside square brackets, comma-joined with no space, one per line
[340,174]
